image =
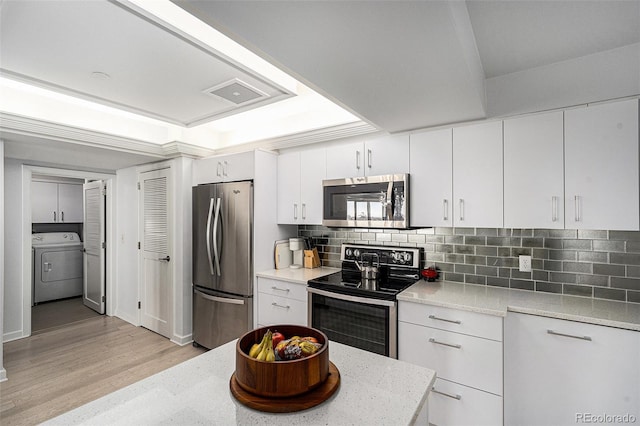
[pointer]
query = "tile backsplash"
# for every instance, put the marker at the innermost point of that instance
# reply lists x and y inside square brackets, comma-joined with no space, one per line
[597,264]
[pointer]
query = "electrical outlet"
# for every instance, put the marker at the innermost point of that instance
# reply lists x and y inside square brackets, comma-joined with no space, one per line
[525,263]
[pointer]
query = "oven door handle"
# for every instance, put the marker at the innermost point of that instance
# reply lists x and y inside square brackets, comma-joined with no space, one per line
[350,298]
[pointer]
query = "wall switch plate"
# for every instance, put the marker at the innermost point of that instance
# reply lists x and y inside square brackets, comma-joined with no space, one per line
[525,263]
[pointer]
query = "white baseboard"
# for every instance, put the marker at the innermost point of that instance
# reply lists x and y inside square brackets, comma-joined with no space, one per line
[182,340]
[14,335]
[3,375]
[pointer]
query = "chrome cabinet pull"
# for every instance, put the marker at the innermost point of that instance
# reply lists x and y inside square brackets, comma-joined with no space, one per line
[556,333]
[554,209]
[445,205]
[461,209]
[456,396]
[433,317]
[576,201]
[225,169]
[218,173]
[295,211]
[62,216]
[369,158]
[432,340]
[304,211]
[280,306]
[358,160]
[54,216]
[273,287]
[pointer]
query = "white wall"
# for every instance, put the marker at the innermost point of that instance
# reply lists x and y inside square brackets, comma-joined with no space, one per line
[3,372]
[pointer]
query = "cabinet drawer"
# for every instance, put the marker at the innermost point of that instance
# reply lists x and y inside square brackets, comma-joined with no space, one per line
[473,361]
[281,310]
[283,289]
[454,404]
[471,323]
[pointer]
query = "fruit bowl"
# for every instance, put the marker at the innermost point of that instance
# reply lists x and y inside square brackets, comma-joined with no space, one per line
[281,379]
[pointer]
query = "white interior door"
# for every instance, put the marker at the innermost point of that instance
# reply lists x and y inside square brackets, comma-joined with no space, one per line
[94,246]
[155,243]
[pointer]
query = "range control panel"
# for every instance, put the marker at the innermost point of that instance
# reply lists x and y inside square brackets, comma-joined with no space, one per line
[397,256]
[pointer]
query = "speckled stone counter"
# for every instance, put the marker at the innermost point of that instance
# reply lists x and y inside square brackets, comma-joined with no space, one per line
[300,275]
[374,390]
[497,301]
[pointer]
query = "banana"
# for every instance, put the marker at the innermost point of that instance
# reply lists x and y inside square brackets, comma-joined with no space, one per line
[267,346]
[271,355]
[257,348]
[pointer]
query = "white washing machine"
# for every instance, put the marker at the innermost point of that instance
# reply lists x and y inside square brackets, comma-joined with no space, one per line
[57,266]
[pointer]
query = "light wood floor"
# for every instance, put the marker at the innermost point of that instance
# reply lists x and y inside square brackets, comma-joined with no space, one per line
[60,312]
[64,367]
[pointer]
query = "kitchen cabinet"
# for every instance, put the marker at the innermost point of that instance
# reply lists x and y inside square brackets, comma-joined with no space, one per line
[56,202]
[601,167]
[478,175]
[300,176]
[431,186]
[379,156]
[557,371]
[534,171]
[224,168]
[465,349]
[281,302]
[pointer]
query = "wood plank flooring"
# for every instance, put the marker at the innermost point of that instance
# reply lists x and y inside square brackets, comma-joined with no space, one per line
[54,314]
[64,367]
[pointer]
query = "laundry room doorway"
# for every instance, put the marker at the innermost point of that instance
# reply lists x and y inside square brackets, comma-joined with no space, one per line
[67,224]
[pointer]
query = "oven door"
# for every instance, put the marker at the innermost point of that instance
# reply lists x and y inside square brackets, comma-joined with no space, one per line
[368,324]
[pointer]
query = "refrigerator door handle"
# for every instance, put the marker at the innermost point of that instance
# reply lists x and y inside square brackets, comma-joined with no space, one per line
[216,219]
[220,299]
[211,201]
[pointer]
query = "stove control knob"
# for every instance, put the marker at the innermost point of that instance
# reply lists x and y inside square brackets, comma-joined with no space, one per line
[348,252]
[407,258]
[356,253]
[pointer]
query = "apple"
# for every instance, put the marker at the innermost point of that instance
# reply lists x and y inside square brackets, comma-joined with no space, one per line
[277,337]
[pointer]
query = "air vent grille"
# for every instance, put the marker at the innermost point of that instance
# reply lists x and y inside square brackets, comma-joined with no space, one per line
[236,91]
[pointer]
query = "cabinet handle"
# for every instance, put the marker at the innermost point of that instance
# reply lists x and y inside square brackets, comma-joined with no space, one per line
[461,209]
[273,287]
[304,211]
[433,317]
[54,216]
[295,211]
[369,158]
[358,160]
[62,216]
[554,209]
[456,396]
[225,169]
[556,333]
[432,340]
[445,206]
[576,201]
[218,173]
[280,306]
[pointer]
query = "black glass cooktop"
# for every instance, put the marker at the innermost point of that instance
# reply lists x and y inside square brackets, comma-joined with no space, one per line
[348,282]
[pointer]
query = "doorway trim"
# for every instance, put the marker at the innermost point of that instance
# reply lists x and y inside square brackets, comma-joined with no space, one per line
[110,183]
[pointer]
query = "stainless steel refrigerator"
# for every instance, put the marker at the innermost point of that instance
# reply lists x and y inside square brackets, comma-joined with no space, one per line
[222,262]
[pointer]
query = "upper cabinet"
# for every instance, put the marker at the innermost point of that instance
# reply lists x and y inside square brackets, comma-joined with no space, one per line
[431,181]
[477,175]
[300,176]
[601,167]
[224,168]
[56,202]
[534,172]
[380,156]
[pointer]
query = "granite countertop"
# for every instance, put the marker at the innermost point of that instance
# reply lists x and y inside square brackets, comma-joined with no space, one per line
[373,390]
[498,301]
[300,275]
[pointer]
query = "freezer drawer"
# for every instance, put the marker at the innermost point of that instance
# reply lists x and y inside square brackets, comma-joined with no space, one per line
[219,318]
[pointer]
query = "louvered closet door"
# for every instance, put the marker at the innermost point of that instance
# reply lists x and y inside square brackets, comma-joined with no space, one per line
[94,251]
[156,292]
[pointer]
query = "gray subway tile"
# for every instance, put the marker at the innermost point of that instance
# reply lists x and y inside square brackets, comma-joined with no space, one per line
[504,232]
[454,258]
[487,232]
[434,238]
[540,253]
[576,244]
[464,249]
[562,277]
[445,267]
[609,293]
[532,242]
[430,248]
[606,269]
[498,282]
[426,231]
[520,275]
[522,232]
[454,239]
[633,296]
[490,271]
[624,235]
[563,233]
[475,279]
[553,243]
[444,248]
[590,234]
[486,251]
[542,233]
[416,238]
[540,275]
[537,263]
[633,246]
[595,280]
[499,241]
[383,237]
[450,276]
[593,256]
[522,284]
[444,231]
[625,258]
[577,290]
[585,268]
[563,254]
[600,245]
[504,251]
[476,241]
[504,272]
[399,238]
[436,257]
[464,231]
[633,271]
[548,287]
[626,283]
[465,269]
[519,251]
[475,260]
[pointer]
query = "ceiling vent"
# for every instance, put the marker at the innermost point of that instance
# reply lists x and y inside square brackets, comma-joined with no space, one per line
[236,91]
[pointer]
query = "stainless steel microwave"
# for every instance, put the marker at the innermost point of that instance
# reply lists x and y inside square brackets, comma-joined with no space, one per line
[366,202]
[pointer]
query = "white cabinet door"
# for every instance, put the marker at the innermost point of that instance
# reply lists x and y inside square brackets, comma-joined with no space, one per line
[44,202]
[207,170]
[70,204]
[457,405]
[431,180]
[601,167]
[289,188]
[345,161]
[534,171]
[386,155]
[477,175]
[553,379]
[312,171]
[237,167]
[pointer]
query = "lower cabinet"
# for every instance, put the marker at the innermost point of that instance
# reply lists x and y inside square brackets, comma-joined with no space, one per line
[465,349]
[281,302]
[560,372]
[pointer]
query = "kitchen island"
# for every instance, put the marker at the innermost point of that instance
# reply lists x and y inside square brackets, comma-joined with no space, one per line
[373,390]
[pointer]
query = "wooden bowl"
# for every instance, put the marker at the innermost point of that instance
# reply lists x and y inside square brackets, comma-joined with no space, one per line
[281,379]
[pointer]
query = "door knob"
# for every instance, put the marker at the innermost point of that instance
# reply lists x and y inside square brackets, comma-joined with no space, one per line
[165,258]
